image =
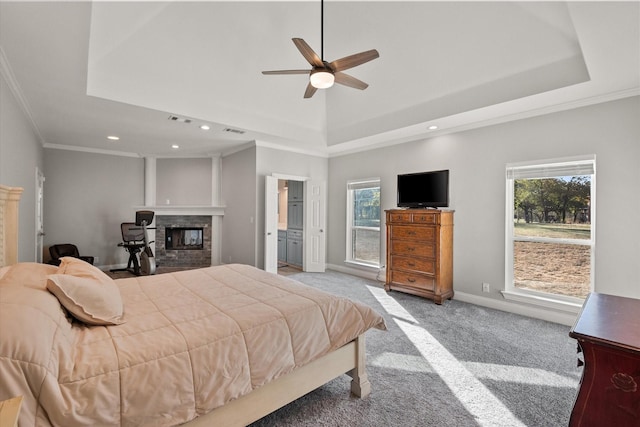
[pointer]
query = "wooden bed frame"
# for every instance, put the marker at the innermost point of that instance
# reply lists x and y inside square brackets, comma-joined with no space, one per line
[9,199]
[349,359]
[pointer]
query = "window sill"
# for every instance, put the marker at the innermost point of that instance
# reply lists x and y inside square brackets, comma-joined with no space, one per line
[364,264]
[543,301]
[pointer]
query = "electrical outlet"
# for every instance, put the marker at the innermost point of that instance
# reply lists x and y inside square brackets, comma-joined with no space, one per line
[486,287]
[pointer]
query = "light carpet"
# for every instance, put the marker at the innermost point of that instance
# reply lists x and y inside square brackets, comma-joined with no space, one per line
[457,364]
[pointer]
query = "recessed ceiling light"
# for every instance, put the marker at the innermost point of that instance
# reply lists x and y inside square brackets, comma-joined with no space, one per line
[175,146]
[433,127]
[113,138]
[204,127]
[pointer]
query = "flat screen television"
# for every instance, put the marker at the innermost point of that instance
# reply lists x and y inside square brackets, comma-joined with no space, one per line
[424,190]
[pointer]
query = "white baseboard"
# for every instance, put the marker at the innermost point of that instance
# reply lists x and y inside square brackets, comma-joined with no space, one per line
[522,309]
[110,266]
[365,272]
[511,307]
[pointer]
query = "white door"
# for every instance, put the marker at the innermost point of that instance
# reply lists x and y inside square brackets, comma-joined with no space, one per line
[314,226]
[39,214]
[271,224]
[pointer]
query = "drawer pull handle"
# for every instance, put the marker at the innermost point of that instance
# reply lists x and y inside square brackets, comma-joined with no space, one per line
[411,280]
[411,264]
[411,249]
[411,233]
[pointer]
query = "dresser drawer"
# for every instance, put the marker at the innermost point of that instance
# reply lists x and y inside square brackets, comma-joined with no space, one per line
[294,235]
[413,280]
[400,217]
[424,218]
[414,233]
[422,265]
[405,247]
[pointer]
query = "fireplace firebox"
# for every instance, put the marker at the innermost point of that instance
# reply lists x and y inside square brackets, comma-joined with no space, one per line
[189,256]
[184,238]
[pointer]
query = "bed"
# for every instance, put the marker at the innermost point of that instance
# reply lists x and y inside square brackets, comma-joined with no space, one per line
[221,345]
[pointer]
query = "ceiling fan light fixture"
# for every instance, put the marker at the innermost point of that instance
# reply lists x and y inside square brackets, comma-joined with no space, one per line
[323,73]
[321,79]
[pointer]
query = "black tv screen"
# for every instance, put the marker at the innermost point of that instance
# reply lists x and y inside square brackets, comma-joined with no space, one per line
[424,190]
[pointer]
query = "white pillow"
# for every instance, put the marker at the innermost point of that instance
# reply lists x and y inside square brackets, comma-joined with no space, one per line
[88,293]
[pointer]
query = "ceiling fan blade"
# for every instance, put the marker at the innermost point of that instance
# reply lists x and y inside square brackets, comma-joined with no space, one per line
[308,53]
[347,80]
[354,60]
[286,72]
[310,91]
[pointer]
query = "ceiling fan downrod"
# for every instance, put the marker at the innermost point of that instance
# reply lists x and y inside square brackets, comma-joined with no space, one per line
[322,30]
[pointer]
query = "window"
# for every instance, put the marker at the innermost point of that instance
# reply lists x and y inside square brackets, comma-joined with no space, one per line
[363,222]
[551,230]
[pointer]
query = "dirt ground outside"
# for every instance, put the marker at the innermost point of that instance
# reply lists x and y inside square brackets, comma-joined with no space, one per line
[556,268]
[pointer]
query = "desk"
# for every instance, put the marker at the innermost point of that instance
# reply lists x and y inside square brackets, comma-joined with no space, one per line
[608,334]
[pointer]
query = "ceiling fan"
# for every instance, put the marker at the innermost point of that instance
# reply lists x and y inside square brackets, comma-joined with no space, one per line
[323,74]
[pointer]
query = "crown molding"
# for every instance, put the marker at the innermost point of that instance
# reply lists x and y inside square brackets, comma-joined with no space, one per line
[264,144]
[308,152]
[7,75]
[91,150]
[395,137]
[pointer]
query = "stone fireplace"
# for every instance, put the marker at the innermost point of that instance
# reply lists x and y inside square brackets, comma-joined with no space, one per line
[183,240]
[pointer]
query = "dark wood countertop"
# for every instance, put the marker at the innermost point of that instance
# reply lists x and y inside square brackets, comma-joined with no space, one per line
[609,320]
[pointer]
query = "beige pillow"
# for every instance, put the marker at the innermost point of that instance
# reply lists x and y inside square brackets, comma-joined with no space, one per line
[31,274]
[88,293]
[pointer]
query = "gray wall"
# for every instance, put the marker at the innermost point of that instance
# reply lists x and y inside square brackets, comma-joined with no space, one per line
[242,193]
[477,159]
[88,195]
[86,198]
[183,181]
[270,161]
[238,194]
[20,154]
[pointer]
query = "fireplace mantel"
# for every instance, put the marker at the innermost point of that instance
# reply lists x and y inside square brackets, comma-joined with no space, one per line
[184,210]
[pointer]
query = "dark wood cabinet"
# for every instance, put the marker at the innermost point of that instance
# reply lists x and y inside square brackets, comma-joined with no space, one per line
[420,252]
[608,335]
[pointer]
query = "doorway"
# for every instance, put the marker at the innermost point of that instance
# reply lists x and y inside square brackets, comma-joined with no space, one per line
[302,243]
[290,226]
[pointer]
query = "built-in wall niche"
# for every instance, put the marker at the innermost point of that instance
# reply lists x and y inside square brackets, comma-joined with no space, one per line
[184,181]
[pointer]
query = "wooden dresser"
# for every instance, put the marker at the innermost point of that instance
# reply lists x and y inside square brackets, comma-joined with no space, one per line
[608,334]
[420,252]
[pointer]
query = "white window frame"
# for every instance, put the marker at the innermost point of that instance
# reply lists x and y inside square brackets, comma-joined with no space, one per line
[354,185]
[582,165]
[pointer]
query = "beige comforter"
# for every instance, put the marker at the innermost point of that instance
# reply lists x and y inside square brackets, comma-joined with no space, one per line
[191,342]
